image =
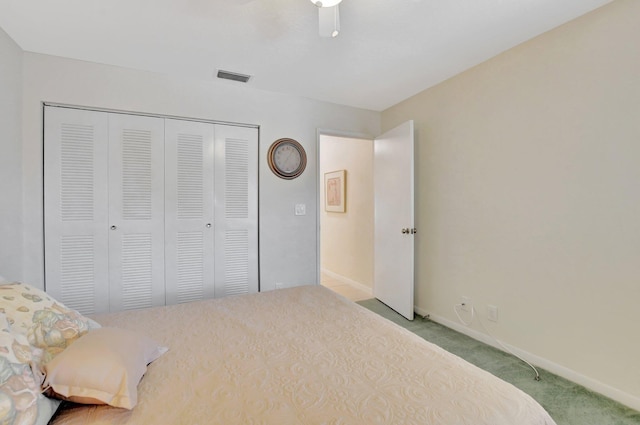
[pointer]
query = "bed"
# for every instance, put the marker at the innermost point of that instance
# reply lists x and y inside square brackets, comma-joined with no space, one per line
[301,355]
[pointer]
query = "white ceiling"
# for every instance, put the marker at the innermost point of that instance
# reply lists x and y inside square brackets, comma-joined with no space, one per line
[387,51]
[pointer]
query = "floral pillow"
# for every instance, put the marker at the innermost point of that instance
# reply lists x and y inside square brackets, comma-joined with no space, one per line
[21,401]
[46,323]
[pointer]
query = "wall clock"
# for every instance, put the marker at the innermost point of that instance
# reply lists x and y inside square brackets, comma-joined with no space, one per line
[287,158]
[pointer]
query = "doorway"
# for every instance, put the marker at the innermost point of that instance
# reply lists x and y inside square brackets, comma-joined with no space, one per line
[347,216]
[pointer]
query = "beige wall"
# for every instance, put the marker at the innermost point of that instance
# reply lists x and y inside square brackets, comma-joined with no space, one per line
[288,243]
[347,238]
[528,196]
[10,158]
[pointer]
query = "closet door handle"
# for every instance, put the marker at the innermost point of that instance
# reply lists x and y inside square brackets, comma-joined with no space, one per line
[113,227]
[208,225]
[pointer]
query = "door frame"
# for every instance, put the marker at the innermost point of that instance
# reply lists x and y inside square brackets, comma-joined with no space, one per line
[319,181]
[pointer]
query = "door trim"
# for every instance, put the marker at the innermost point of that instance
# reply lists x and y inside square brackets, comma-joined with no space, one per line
[148,114]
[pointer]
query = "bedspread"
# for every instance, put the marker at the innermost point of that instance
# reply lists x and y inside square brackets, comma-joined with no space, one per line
[301,356]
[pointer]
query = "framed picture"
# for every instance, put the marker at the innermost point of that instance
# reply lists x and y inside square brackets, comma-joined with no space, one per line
[335,195]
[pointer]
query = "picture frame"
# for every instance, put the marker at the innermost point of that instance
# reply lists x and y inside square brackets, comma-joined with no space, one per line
[335,194]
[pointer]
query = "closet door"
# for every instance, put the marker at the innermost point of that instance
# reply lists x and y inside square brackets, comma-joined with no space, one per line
[236,210]
[75,208]
[136,211]
[189,224]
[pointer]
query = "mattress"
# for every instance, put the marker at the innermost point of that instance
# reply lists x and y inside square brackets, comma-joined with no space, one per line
[302,355]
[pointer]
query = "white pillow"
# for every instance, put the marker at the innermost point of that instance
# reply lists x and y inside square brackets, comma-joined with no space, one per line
[102,367]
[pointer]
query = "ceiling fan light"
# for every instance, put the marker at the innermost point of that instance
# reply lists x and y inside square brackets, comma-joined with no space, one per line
[325,3]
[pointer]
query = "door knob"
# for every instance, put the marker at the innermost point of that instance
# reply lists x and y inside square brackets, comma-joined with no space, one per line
[405,231]
[208,225]
[414,231]
[113,227]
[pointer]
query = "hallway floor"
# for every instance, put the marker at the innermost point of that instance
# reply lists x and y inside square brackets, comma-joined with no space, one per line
[348,291]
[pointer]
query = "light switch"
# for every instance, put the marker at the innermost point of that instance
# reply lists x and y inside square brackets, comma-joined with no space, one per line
[301,209]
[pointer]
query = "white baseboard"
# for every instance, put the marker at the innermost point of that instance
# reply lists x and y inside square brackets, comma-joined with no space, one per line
[587,382]
[347,281]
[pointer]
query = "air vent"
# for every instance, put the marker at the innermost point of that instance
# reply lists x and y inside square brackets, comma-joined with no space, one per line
[228,75]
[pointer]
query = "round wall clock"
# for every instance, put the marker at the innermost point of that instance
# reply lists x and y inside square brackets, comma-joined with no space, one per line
[287,158]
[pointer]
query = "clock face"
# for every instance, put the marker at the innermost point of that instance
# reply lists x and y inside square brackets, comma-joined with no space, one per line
[287,158]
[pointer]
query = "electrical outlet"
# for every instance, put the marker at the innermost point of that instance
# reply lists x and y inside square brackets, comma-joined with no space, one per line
[301,209]
[466,303]
[492,313]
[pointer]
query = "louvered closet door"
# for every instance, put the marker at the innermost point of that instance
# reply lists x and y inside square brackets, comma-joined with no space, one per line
[136,211]
[75,208]
[189,225]
[236,210]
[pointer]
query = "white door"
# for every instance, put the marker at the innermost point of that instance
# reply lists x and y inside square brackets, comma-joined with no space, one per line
[189,231]
[136,211]
[128,225]
[236,210]
[393,170]
[75,205]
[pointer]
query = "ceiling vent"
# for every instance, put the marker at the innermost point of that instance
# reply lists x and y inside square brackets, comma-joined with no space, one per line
[234,76]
